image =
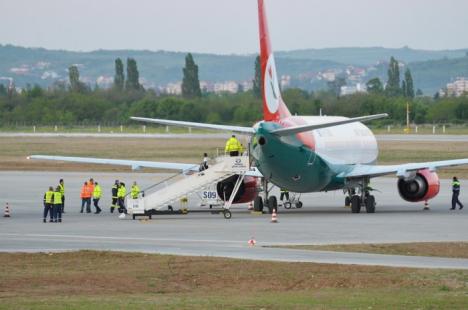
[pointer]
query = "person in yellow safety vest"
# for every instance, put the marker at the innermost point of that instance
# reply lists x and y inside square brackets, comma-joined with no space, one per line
[233,146]
[57,205]
[97,193]
[62,191]
[135,190]
[48,207]
[115,198]
[121,192]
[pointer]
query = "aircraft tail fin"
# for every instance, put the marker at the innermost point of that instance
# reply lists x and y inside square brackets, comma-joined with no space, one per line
[274,107]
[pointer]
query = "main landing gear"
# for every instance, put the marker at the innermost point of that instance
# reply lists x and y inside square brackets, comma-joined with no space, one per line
[270,202]
[359,197]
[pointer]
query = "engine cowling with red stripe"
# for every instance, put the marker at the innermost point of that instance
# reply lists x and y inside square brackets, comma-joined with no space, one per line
[423,186]
[246,193]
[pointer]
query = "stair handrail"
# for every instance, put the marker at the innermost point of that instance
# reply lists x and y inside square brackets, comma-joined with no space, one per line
[142,192]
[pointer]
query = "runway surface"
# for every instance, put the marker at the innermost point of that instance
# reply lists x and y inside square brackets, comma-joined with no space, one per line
[323,220]
[390,137]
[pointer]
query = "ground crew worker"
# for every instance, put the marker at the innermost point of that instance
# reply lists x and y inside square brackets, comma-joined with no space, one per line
[91,185]
[86,197]
[284,193]
[115,198]
[97,193]
[233,146]
[62,191]
[57,205]
[121,192]
[135,190]
[204,164]
[48,207]
[455,194]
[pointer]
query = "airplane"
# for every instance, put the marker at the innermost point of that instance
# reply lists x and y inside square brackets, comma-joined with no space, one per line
[306,154]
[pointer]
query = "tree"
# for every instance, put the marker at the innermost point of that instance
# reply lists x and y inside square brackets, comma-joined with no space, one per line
[74,79]
[133,76]
[119,78]
[3,90]
[393,84]
[190,81]
[335,85]
[419,92]
[374,86]
[409,89]
[257,81]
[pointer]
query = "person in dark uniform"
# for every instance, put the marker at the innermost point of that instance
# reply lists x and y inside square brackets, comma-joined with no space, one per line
[455,194]
[284,193]
[115,199]
[62,191]
[48,204]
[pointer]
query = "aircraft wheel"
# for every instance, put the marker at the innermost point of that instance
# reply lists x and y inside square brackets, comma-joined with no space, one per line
[272,204]
[227,214]
[287,205]
[299,204]
[347,201]
[355,204]
[370,204]
[258,204]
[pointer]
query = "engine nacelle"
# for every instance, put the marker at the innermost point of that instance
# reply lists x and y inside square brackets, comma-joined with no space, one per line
[247,192]
[423,186]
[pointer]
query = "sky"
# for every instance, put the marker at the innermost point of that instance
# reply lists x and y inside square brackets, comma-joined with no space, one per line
[231,26]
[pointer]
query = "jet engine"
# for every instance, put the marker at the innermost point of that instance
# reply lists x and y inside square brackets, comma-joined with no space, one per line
[247,192]
[423,186]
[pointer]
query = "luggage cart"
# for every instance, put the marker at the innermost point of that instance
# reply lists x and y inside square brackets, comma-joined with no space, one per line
[294,200]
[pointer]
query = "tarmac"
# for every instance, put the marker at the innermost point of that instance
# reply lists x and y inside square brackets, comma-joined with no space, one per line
[322,220]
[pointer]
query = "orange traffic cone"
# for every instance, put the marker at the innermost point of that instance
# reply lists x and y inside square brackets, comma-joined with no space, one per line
[274,217]
[7,211]
[252,242]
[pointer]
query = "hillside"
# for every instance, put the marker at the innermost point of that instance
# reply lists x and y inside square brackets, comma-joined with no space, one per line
[431,69]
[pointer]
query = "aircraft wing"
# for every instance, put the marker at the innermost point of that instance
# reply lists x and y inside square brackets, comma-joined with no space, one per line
[135,164]
[236,129]
[401,170]
[297,129]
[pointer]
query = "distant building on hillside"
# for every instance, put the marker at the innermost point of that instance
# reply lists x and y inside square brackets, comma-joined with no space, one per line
[349,90]
[456,88]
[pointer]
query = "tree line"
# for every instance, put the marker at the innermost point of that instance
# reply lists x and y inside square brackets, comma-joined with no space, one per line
[78,103]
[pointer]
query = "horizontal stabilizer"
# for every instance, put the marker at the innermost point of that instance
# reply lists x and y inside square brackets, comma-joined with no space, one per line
[236,129]
[298,129]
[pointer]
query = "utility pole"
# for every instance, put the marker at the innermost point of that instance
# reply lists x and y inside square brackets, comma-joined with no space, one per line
[407,130]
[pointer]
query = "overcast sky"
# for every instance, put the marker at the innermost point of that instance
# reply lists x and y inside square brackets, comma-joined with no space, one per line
[230,26]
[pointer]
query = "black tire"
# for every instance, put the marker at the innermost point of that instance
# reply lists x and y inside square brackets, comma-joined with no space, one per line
[258,204]
[355,204]
[227,214]
[287,205]
[370,204]
[347,201]
[272,204]
[299,204]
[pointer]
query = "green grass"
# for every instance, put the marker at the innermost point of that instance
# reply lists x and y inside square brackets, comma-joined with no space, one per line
[112,280]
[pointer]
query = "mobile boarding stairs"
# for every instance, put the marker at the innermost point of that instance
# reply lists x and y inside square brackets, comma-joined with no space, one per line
[162,195]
